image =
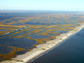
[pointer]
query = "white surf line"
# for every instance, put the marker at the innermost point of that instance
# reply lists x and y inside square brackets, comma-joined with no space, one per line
[47,46]
[42,48]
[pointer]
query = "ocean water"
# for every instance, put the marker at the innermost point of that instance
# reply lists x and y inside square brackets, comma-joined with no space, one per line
[70,51]
[25,29]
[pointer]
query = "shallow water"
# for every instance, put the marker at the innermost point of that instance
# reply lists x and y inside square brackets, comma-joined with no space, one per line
[38,29]
[70,51]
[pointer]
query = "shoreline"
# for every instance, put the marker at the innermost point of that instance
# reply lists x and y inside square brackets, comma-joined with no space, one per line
[44,48]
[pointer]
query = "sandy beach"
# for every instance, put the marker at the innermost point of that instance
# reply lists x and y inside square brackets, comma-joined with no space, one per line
[40,49]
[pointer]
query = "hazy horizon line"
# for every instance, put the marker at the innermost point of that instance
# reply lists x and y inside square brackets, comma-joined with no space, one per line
[38,10]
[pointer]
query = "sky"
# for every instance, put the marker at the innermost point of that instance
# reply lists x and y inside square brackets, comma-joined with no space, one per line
[58,5]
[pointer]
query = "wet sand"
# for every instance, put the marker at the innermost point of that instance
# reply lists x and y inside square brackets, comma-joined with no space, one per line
[43,48]
[70,50]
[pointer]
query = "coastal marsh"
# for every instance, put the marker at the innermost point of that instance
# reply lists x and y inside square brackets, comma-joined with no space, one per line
[22,33]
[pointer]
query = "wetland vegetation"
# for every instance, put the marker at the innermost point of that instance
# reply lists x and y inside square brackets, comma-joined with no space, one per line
[21,33]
